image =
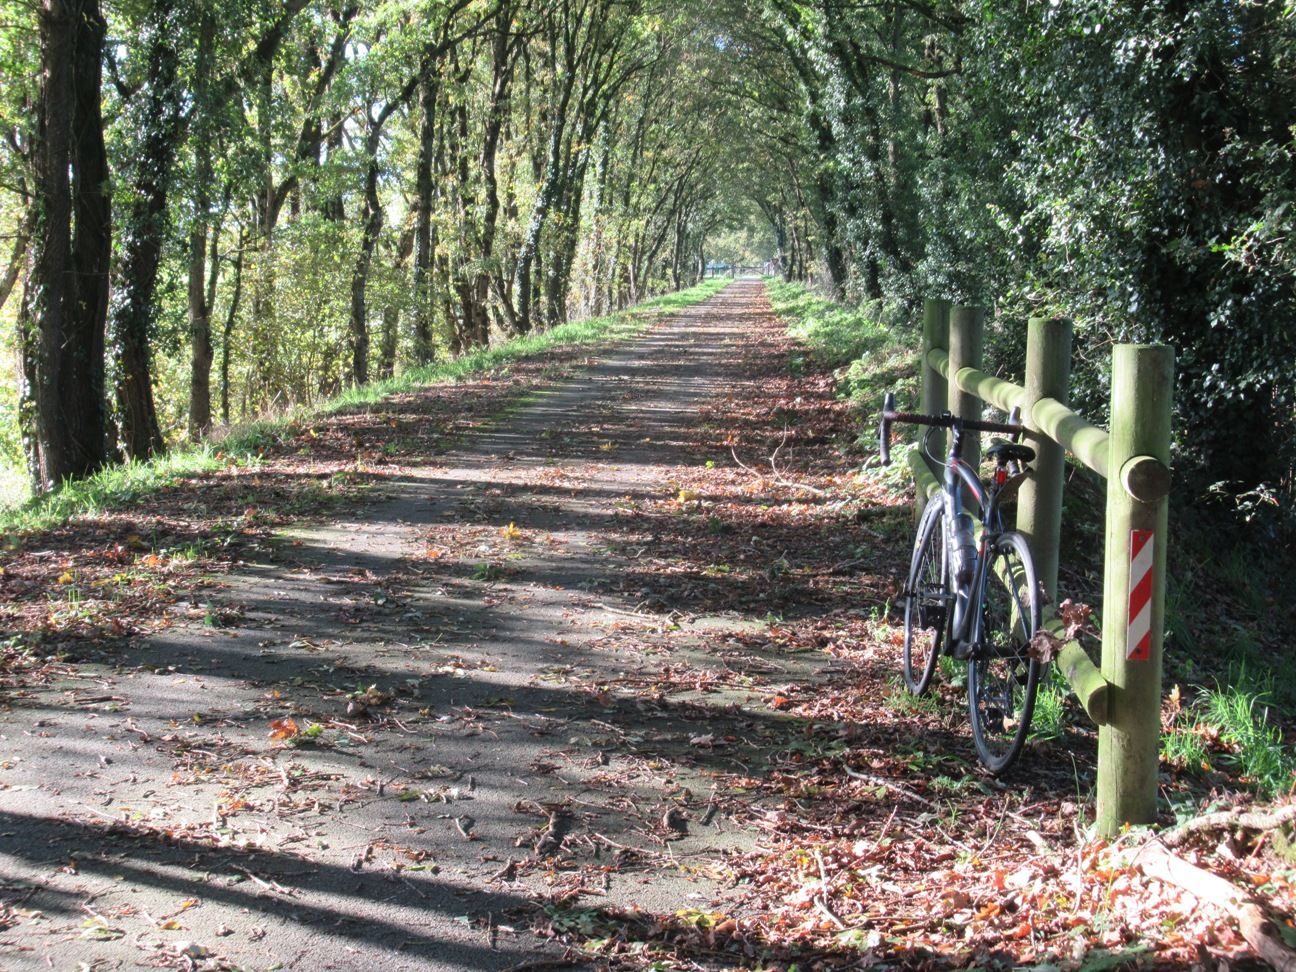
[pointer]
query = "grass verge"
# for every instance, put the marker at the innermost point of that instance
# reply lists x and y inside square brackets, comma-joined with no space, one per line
[118,485]
[1229,727]
[869,346]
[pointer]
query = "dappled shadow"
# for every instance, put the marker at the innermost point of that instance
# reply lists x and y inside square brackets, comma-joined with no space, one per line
[583,653]
[379,911]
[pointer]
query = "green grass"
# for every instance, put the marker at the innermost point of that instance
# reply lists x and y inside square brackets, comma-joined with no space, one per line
[904,703]
[1229,726]
[1253,744]
[872,346]
[118,486]
[1184,748]
[1050,716]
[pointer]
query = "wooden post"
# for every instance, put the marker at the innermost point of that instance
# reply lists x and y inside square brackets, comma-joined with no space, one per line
[934,388]
[936,315]
[1039,508]
[1134,584]
[966,325]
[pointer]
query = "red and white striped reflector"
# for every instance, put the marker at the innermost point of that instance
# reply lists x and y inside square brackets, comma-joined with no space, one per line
[1138,644]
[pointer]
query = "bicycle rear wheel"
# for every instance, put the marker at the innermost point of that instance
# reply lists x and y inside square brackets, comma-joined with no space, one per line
[1002,677]
[926,600]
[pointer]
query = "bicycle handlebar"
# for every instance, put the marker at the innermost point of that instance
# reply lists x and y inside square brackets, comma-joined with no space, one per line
[944,420]
[884,428]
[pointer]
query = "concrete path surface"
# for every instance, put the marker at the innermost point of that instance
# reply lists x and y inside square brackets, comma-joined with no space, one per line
[421,732]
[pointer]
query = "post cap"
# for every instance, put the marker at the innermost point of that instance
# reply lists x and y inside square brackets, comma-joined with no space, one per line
[1146,478]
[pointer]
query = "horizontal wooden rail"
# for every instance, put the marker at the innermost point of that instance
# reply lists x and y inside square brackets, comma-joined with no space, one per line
[1002,394]
[938,359]
[925,480]
[1088,443]
[1084,440]
[1084,677]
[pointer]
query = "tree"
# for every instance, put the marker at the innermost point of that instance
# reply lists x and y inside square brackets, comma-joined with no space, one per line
[66,299]
[154,109]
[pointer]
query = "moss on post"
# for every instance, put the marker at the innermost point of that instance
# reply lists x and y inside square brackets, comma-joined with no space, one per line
[1039,510]
[932,396]
[965,333]
[1129,742]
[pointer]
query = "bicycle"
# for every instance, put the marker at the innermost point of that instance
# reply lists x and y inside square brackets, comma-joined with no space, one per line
[972,593]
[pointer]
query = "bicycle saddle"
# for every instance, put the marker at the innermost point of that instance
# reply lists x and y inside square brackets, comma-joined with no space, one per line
[1004,452]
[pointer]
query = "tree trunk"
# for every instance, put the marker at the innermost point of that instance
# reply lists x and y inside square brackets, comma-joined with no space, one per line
[200,306]
[424,348]
[504,52]
[62,347]
[528,254]
[391,312]
[563,256]
[133,307]
[230,317]
[18,255]
[200,342]
[372,224]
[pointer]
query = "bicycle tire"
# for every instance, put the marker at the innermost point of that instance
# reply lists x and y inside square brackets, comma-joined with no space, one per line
[1002,677]
[926,600]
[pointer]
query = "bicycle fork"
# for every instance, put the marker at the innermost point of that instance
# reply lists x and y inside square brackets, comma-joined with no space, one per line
[961,544]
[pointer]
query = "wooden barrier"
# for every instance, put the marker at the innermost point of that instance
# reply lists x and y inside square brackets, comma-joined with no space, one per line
[1124,696]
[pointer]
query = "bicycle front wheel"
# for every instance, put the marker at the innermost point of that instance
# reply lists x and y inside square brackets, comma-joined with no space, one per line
[1002,676]
[926,600]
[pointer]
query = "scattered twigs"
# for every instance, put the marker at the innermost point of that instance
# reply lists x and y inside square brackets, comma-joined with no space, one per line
[274,886]
[1156,861]
[821,899]
[413,887]
[889,785]
[1234,819]
[773,461]
[780,478]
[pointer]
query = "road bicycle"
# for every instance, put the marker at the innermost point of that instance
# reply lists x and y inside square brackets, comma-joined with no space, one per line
[971,592]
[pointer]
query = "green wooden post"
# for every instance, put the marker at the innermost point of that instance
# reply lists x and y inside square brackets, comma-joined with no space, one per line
[936,314]
[1134,583]
[1039,509]
[966,324]
[934,389]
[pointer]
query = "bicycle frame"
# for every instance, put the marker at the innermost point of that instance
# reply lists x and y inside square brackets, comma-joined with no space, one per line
[965,626]
[972,590]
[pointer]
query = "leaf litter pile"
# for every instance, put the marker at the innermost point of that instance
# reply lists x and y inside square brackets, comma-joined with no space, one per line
[740,665]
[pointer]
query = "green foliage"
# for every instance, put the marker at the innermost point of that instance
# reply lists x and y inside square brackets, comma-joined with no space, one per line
[1253,744]
[873,352]
[374,177]
[1129,166]
[1229,725]
[1050,716]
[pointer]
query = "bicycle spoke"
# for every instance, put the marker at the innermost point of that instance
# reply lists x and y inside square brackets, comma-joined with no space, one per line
[1003,678]
[926,601]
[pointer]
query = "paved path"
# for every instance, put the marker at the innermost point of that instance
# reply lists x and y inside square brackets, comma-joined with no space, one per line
[511,751]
